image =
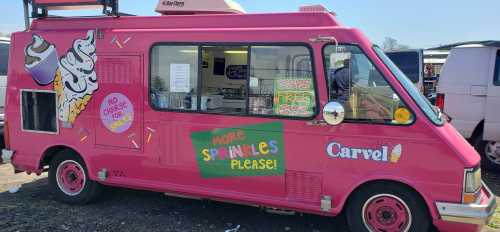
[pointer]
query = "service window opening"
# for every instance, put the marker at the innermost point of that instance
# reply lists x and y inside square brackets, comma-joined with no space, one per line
[39,111]
[224,78]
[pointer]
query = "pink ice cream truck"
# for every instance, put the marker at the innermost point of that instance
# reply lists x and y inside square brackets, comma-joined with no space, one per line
[290,111]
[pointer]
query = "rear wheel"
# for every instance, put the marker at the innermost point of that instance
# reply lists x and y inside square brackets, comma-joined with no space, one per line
[69,181]
[387,208]
[489,151]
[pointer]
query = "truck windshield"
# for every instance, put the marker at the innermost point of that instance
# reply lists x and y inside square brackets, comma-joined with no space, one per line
[431,112]
[408,62]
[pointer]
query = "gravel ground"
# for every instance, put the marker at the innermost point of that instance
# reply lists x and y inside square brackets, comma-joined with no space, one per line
[32,208]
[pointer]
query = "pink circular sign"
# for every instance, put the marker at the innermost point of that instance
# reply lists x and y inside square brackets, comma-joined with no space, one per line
[117,112]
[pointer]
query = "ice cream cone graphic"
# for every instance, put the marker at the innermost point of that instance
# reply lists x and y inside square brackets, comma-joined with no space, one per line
[76,78]
[396,153]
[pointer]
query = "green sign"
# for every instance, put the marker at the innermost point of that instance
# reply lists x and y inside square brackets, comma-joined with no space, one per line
[294,97]
[253,150]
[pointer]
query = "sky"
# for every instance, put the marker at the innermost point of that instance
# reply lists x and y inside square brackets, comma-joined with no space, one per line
[417,23]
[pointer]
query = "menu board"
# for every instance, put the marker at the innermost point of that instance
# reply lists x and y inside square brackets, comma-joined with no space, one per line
[294,97]
[179,78]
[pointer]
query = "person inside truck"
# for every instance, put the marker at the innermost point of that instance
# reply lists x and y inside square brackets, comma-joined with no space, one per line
[360,87]
[341,84]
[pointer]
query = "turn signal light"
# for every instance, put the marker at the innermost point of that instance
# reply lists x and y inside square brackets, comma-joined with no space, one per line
[470,198]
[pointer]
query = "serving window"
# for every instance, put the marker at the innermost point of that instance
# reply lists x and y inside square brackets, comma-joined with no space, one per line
[39,113]
[282,81]
[234,80]
[174,77]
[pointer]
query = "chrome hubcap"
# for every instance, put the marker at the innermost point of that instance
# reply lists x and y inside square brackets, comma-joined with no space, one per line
[386,213]
[70,177]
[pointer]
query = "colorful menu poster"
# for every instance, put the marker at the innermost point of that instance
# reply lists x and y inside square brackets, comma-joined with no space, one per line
[252,150]
[294,97]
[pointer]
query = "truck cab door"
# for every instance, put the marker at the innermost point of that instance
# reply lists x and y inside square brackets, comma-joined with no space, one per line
[492,120]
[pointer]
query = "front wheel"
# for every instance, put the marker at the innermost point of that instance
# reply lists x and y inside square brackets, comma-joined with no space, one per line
[387,208]
[490,153]
[69,180]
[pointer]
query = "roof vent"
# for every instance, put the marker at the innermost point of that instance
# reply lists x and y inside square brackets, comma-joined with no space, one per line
[188,7]
[314,8]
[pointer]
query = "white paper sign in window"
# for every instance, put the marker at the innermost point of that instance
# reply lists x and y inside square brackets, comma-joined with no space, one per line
[180,78]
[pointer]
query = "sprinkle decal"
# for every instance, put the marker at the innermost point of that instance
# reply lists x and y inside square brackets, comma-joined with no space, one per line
[115,41]
[338,151]
[117,113]
[83,133]
[254,150]
[131,137]
[151,131]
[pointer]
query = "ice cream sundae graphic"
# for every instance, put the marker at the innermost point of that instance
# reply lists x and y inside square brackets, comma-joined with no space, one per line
[74,76]
[41,60]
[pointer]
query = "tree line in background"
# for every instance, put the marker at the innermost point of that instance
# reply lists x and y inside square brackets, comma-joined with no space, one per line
[391,44]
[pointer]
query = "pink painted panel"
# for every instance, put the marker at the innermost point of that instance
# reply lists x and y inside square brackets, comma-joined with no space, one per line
[119,102]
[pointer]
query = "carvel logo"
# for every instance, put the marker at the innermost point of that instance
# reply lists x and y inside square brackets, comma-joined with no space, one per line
[173,3]
[337,150]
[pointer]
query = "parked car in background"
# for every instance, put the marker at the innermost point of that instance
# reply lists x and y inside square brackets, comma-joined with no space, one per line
[469,92]
[411,62]
[4,60]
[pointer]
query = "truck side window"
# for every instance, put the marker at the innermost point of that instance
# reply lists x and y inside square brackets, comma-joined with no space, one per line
[281,81]
[497,69]
[237,80]
[356,83]
[4,58]
[224,77]
[174,77]
[38,111]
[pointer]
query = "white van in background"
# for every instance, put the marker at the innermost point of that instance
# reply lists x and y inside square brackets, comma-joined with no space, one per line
[4,60]
[469,92]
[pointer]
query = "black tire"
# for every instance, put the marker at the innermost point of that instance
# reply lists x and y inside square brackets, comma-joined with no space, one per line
[418,213]
[80,195]
[480,146]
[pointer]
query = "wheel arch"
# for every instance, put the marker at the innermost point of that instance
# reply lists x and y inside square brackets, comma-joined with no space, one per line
[52,151]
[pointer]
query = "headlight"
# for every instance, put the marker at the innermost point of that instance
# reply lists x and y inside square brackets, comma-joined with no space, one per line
[472,185]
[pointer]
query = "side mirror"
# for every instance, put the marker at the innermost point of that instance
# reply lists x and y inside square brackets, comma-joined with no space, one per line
[333,113]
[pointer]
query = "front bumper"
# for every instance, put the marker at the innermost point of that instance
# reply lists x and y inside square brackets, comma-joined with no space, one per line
[478,213]
[6,156]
